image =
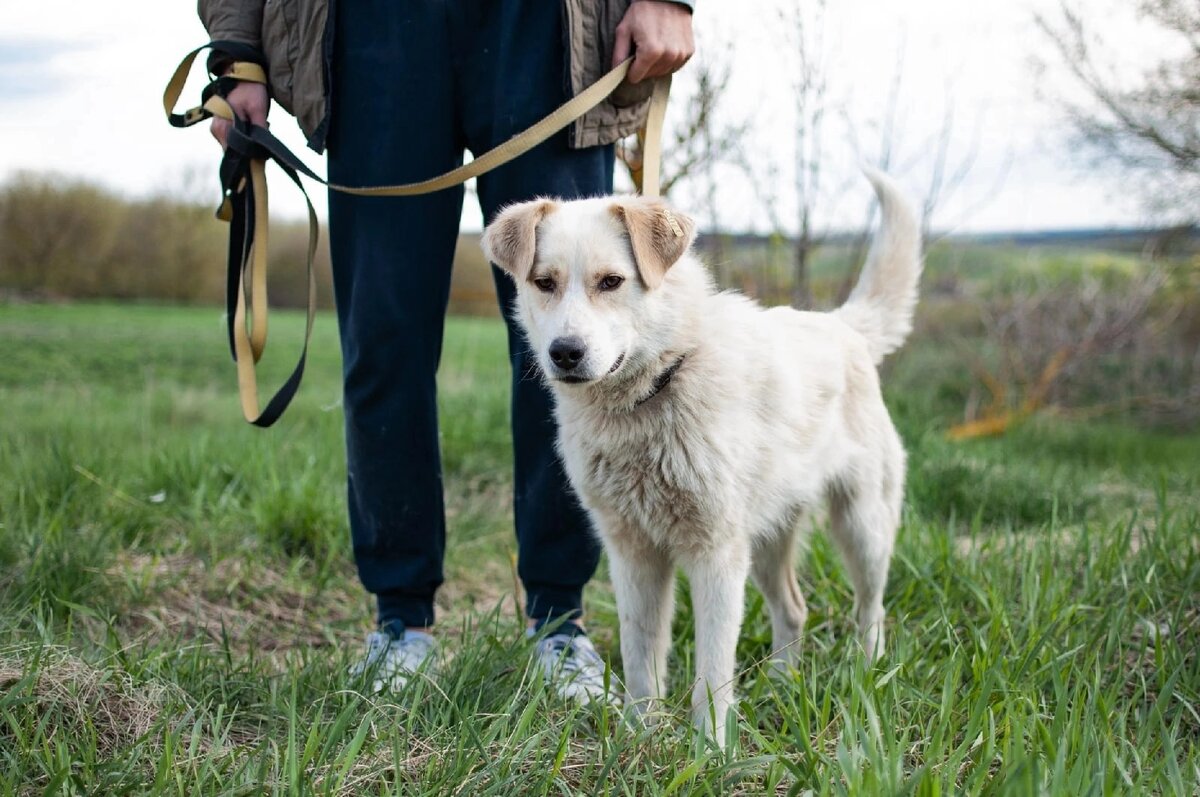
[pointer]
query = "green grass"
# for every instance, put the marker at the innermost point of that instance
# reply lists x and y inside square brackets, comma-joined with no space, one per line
[178,605]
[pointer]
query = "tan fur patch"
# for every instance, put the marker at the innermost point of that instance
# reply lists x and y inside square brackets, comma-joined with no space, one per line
[658,236]
[511,240]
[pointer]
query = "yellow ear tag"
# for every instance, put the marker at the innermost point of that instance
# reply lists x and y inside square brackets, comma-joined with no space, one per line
[674,225]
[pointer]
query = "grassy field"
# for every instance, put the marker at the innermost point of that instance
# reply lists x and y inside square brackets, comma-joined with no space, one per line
[178,605]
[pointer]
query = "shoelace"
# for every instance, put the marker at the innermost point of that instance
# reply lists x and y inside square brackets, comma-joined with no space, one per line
[377,646]
[571,657]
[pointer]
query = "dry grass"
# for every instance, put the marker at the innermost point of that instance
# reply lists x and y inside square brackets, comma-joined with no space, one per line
[86,699]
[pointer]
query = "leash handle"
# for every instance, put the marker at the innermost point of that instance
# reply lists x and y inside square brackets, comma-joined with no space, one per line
[652,152]
[244,203]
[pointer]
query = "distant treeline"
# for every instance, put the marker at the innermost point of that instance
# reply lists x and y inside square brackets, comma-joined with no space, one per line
[68,239]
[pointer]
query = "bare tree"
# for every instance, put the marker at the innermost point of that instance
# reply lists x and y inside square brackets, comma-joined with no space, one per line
[882,160]
[719,141]
[704,137]
[1149,125]
[943,157]
[946,175]
[804,24]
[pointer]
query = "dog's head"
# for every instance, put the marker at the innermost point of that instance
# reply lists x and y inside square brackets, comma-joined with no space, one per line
[589,275]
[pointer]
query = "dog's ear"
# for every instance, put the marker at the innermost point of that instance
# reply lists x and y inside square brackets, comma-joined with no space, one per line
[658,236]
[510,241]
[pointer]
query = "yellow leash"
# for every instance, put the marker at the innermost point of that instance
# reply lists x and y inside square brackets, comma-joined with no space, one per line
[245,202]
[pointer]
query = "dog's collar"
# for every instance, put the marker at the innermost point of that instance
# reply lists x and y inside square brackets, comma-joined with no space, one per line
[661,381]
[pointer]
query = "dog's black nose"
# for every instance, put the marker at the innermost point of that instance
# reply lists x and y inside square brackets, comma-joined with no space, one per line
[567,352]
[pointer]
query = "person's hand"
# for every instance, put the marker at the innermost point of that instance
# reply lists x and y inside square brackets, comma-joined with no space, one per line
[658,34]
[249,101]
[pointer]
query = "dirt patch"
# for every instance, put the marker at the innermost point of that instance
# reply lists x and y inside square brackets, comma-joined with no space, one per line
[236,601]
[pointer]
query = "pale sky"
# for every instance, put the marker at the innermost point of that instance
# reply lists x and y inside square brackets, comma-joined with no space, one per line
[81,86]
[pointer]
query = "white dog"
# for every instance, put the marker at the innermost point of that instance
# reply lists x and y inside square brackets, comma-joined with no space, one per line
[697,427]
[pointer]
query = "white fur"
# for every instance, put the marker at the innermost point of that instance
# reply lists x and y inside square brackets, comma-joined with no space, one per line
[771,413]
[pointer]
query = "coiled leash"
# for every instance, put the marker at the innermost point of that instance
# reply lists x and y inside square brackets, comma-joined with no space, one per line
[244,202]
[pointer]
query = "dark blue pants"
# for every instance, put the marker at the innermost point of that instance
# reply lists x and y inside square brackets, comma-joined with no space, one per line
[414,84]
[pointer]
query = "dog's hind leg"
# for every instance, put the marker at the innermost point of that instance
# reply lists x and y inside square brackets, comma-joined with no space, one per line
[774,573]
[718,582]
[863,519]
[644,582]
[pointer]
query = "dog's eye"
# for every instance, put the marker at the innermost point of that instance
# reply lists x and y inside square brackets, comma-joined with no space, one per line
[611,282]
[544,284]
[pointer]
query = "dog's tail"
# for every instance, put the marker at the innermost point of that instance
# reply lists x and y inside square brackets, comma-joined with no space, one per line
[881,305]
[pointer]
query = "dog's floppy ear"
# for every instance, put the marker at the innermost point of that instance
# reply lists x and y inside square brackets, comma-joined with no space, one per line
[510,241]
[658,235]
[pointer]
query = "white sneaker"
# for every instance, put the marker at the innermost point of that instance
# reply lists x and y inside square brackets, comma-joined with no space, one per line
[389,661]
[574,668]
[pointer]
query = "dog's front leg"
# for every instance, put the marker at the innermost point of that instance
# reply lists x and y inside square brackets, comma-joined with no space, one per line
[718,581]
[643,579]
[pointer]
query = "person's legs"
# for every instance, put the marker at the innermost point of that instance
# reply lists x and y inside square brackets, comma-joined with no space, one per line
[393,121]
[512,67]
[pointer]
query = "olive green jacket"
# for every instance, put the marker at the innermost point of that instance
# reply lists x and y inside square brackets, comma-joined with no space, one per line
[294,36]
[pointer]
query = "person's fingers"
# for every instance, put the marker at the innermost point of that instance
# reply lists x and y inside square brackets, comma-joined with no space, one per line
[686,50]
[644,64]
[250,102]
[624,44]
[220,131]
[681,58]
[670,61]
